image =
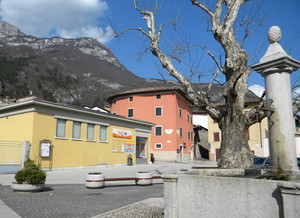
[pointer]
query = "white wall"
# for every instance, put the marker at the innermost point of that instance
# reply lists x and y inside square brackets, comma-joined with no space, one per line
[297,146]
[201,120]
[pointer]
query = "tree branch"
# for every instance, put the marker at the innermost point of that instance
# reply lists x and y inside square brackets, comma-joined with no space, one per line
[296,105]
[130,29]
[209,12]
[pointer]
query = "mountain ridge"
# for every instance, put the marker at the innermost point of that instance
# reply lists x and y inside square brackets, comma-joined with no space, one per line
[78,71]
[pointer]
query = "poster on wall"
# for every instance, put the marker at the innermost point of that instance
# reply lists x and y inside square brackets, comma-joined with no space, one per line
[45,149]
[119,133]
[128,147]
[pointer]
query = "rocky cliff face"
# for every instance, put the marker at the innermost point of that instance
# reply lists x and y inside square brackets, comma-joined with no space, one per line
[76,71]
[7,29]
[12,36]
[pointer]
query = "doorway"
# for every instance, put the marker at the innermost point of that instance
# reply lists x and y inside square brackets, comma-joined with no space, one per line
[141,150]
[181,153]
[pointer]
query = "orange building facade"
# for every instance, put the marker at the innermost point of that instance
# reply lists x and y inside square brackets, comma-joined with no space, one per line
[170,110]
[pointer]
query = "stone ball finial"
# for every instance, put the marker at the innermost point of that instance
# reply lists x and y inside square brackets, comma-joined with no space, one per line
[274,34]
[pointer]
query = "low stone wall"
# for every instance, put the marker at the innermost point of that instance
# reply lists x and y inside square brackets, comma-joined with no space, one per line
[170,156]
[223,193]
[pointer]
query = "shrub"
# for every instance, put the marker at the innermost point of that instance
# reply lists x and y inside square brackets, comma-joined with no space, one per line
[30,173]
[30,164]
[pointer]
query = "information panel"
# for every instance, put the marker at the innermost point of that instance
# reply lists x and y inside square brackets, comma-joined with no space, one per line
[45,149]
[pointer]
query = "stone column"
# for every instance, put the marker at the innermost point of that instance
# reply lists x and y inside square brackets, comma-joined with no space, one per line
[276,66]
[170,195]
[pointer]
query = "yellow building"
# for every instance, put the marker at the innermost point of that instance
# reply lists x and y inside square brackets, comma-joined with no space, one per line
[62,136]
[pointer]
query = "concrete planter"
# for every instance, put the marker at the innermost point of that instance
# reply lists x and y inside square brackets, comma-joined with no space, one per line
[144,178]
[94,180]
[224,193]
[28,187]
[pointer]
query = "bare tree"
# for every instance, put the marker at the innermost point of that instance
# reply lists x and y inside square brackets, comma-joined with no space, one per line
[233,119]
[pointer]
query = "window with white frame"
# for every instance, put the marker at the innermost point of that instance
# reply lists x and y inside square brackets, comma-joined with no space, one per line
[103,132]
[90,131]
[158,145]
[130,112]
[131,98]
[61,128]
[158,131]
[76,130]
[158,111]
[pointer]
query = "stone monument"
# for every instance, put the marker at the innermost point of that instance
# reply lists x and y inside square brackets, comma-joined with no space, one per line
[276,66]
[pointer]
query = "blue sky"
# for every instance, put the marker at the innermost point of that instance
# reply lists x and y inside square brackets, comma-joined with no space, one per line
[98,18]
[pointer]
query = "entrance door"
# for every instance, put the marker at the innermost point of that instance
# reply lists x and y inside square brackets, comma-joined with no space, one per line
[181,152]
[141,150]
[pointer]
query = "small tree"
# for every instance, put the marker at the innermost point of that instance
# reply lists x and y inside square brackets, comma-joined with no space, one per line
[233,119]
[30,173]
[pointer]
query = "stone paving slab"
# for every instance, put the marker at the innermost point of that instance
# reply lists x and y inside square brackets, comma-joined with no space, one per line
[6,212]
[75,200]
[152,207]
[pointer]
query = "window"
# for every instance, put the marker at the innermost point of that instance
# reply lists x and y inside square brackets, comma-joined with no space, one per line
[180,132]
[131,98]
[189,136]
[158,96]
[158,146]
[76,130]
[130,112]
[158,111]
[90,132]
[158,131]
[180,112]
[61,128]
[216,136]
[103,130]
[188,118]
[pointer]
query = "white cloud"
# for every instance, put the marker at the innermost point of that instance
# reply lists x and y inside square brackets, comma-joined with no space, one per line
[257,90]
[65,18]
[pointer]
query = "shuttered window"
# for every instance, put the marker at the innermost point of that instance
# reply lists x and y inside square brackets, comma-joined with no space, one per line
[76,130]
[61,128]
[90,132]
[103,130]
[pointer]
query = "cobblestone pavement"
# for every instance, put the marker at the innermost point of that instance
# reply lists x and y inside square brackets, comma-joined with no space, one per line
[75,200]
[152,207]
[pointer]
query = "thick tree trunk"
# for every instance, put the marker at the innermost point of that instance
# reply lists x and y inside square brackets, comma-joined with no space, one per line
[235,151]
